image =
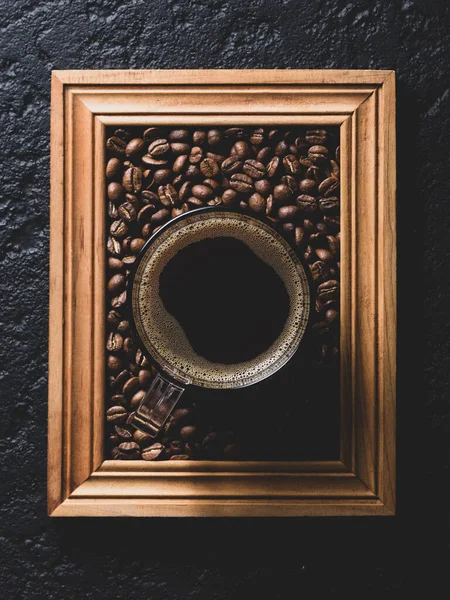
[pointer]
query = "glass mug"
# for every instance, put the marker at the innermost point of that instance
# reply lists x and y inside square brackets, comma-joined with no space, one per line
[162,338]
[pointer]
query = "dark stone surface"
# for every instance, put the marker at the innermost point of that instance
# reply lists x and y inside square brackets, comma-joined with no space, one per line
[276,559]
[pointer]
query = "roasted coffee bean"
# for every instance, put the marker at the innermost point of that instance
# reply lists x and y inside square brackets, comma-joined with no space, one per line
[129,450]
[168,195]
[241,183]
[257,136]
[272,167]
[329,186]
[241,149]
[235,133]
[264,154]
[116,415]
[193,173]
[320,271]
[154,452]
[299,236]
[114,363]
[209,167]
[128,347]
[123,434]
[123,134]
[291,165]
[132,180]
[196,155]
[179,135]
[113,212]
[202,192]
[116,192]
[332,316]
[145,378]
[118,229]
[288,213]
[162,176]
[333,246]
[318,154]
[263,187]
[179,148]
[122,378]
[116,146]
[290,181]
[136,245]
[113,169]
[307,204]
[281,149]
[324,255]
[158,148]
[257,204]
[116,284]
[333,223]
[231,165]
[230,198]
[180,164]
[175,447]
[113,319]
[136,399]
[115,264]
[123,328]
[180,457]
[114,342]
[329,290]
[135,147]
[149,197]
[128,260]
[308,186]
[254,169]
[199,137]
[194,202]
[119,300]
[316,136]
[145,214]
[142,438]
[127,212]
[161,216]
[214,137]
[150,161]
[282,194]
[328,205]
[130,387]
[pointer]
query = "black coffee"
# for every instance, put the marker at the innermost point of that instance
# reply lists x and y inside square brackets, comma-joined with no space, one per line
[231,305]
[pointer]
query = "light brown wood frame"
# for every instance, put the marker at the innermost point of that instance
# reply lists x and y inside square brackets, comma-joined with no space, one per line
[362,482]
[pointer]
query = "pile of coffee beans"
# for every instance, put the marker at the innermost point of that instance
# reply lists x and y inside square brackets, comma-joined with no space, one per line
[289,175]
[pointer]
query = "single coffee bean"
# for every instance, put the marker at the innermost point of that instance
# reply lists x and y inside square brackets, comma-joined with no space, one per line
[158,148]
[257,204]
[316,136]
[130,387]
[320,271]
[242,150]
[288,228]
[115,264]
[299,236]
[209,167]
[333,246]
[116,415]
[145,378]
[154,452]
[194,202]
[230,198]
[113,212]
[136,399]
[123,134]
[264,154]
[329,290]
[116,146]
[328,205]
[114,363]
[328,186]
[290,181]
[116,284]
[291,165]
[179,148]
[235,133]
[136,245]
[332,316]
[257,137]
[271,206]
[124,434]
[119,300]
[145,214]
[281,149]
[122,378]
[135,147]
[160,217]
[123,328]
[113,319]
[196,155]
[199,137]
[130,448]
[128,347]
[118,229]
[333,223]
[318,154]
[114,342]
[128,260]
[282,194]
[324,255]
[114,248]
[132,180]
[288,213]
[307,204]
[189,433]
[214,137]
[168,195]
[231,165]
[272,167]
[263,187]
[116,192]
[202,192]
[162,176]
[151,161]
[241,183]
[113,169]
[254,169]
[127,212]
[308,186]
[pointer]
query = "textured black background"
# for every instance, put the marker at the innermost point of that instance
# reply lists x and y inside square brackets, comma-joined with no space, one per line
[273,559]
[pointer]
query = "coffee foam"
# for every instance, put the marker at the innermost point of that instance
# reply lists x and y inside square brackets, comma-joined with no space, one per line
[163,336]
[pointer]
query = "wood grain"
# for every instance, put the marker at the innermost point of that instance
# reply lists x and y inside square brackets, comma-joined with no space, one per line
[80,483]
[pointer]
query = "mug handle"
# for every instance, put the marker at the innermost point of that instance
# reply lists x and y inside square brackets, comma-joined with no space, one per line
[156,406]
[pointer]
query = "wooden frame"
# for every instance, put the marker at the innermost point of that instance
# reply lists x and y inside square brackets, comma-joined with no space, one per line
[362,482]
